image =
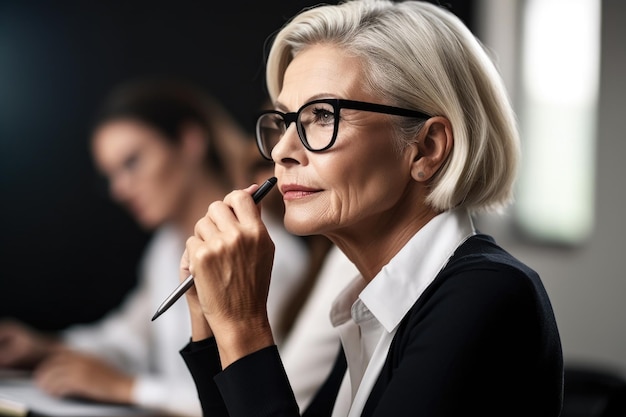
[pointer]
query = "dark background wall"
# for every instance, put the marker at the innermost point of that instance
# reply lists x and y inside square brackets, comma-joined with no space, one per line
[67,254]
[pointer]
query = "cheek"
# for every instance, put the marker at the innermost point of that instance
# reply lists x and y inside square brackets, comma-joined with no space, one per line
[365,179]
[163,187]
[357,187]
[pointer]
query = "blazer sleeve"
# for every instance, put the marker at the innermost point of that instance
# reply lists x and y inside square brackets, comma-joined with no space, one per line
[255,385]
[202,360]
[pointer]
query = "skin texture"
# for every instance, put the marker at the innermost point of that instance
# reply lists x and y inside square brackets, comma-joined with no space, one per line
[364,195]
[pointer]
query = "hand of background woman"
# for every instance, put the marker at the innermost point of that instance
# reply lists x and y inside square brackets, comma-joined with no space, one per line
[75,374]
[23,347]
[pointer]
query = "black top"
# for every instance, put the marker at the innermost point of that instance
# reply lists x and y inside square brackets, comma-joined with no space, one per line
[481,340]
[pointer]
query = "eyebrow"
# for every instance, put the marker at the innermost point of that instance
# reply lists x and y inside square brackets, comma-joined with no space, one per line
[281,107]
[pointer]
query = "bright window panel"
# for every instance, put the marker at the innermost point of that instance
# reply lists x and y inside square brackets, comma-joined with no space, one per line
[559,88]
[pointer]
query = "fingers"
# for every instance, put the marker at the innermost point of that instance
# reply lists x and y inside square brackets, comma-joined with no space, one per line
[237,208]
[75,374]
[57,376]
[244,207]
[184,267]
[223,225]
[17,345]
[227,242]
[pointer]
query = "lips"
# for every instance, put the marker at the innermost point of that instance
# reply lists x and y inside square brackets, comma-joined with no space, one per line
[295,191]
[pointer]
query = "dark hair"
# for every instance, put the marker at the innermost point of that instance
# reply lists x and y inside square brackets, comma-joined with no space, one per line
[166,105]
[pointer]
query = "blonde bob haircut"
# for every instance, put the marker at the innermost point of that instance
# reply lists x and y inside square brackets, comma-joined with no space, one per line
[420,56]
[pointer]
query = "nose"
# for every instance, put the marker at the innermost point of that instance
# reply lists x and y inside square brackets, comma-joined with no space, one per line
[289,148]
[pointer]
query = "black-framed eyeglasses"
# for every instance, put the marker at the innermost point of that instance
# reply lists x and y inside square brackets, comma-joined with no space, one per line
[317,123]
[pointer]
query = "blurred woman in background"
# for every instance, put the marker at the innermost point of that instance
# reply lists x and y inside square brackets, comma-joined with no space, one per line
[167,150]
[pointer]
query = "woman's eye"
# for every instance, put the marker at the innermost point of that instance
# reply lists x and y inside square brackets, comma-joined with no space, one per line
[324,116]
[130,164]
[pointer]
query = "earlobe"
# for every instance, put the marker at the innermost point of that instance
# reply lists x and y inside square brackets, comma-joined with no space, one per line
[417,173]
[433,148]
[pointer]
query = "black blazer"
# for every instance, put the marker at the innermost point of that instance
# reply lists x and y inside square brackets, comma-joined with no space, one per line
[481,340]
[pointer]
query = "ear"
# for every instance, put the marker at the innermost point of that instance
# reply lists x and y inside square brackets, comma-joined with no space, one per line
[433,148]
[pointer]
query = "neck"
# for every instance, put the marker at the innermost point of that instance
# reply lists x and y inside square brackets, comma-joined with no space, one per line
[208,189]
[370,249]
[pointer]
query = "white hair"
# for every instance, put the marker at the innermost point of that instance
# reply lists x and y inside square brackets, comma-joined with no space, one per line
[421,56]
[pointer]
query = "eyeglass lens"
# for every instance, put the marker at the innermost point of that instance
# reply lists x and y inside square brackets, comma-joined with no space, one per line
[315,125]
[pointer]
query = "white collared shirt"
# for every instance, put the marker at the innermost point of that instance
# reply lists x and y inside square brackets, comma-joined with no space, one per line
[367,315]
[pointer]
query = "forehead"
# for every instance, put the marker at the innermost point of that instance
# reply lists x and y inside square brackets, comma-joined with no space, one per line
[322,71]
[116,139]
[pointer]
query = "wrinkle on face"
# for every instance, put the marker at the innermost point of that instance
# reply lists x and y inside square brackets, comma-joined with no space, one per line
[362,175]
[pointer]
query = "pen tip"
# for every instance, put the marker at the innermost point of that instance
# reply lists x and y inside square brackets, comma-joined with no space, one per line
[155,316]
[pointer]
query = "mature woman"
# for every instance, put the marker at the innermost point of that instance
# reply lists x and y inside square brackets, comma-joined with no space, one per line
[391,128]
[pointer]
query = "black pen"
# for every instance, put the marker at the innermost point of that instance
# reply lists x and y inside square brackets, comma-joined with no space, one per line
[188,282]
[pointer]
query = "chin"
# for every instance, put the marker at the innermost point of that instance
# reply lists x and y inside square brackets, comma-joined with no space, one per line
[147,223]
[302,227]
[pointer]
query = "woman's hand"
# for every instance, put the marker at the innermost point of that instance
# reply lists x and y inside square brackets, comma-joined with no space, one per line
[200,328]
[231,256]
[76,374]
[23,347]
